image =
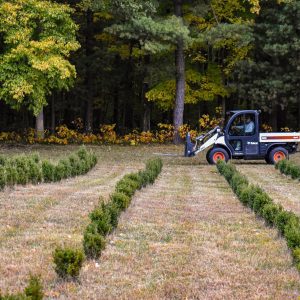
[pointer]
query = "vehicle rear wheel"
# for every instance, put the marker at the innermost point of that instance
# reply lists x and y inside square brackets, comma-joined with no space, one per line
[215,154]
[278,154]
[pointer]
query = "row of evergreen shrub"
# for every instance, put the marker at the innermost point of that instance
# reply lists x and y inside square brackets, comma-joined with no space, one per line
[287,222]
[104,219]
[31,169]
[33,291]
[288,168]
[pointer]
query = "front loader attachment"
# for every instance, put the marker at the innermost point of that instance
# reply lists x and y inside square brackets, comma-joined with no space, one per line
[189,146]
[203,142]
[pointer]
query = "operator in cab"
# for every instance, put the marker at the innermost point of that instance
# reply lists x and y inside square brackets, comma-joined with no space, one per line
[245,129]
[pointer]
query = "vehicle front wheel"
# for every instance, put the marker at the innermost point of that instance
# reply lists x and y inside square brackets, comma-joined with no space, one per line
[215,154]
[277,154]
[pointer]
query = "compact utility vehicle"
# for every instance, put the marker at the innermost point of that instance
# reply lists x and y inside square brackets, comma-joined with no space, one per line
[241,139]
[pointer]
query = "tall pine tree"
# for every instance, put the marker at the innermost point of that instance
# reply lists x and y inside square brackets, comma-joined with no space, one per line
[271,79]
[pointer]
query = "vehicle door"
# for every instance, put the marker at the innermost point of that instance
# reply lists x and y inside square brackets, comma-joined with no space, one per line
[242,134]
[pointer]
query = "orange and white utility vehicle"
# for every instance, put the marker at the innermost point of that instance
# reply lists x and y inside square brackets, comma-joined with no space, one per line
[241,139]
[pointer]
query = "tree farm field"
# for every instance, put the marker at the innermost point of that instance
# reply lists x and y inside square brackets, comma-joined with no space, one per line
[186,236]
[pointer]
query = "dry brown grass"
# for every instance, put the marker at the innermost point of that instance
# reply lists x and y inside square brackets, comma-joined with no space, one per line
[281,188]
[185,237]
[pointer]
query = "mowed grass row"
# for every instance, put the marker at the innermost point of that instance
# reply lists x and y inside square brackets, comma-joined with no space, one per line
[36,219]
[281,188]
[187,236]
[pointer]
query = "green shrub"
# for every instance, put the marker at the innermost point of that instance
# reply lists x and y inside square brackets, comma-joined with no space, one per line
[35,157]
[228,172]
[92,159]
[82,153]
[270,213]
[283,218]
[22,167]
[88,159]
[281,165]
[11,174]
[59,172]
[254,191]
[144,177]
[68,262]
[288,168]
[101,218]
[295,172]
[155,165]
[3,161]
[114,212]
[221,165]
[249,193]
[76,165]
[292,233]
[240,189]
[136,178]
[153,168]
[245,194]
[2,177]
[48,170]
[151,175]
[127,186]
[260,200]
[121,200]
[67,169]
[34,290]
[296,256]
[93,241]
[35,174]
[238,180]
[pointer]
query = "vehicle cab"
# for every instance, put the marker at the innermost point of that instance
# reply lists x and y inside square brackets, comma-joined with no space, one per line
[242,134]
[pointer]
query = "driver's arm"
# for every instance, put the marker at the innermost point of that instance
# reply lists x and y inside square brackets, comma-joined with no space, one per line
[238,127]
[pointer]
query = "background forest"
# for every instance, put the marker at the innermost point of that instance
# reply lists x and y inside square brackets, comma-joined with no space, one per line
[138,63]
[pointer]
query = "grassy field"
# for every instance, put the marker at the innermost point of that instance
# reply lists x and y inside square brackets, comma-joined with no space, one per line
[185,237]
[282,189]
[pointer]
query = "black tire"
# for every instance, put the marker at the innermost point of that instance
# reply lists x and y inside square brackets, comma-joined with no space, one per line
[267,160]
[215,154]
[277,154]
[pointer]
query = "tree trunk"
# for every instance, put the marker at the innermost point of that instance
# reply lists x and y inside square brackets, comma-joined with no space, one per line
[52,114]
[147,108]
[39,125]
[180,79]
[89,36]
[89,117]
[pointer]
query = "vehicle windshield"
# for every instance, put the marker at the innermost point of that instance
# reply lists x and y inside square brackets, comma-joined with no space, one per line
[227,118]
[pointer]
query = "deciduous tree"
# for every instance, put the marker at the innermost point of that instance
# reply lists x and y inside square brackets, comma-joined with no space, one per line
[37,37]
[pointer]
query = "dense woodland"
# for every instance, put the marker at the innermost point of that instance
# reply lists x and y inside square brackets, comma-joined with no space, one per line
[139,63]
